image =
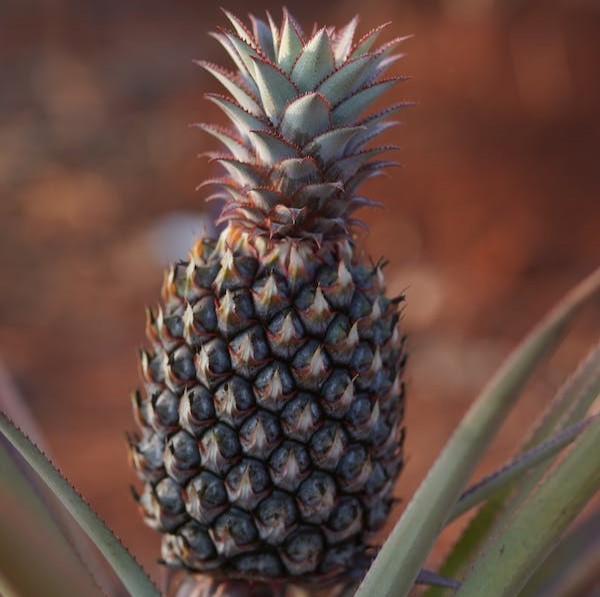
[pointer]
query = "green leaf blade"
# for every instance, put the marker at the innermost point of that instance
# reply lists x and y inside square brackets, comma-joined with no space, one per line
[37,558]
[516,469]
[128,570]
[568,408]
[517,551]
[572,568]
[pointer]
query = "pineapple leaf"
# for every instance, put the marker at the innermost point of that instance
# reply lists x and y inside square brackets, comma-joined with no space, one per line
[426,577]
[518,550]
[367,133]
[343,81]
[241,171]
[573,399]
[314,63]
[226,78]
[290,44]
[321,191]
[264,199]
[292,174]
[275,33]
[235,146]
[245,51]
[570,405]
[572,568]
[405,551]
[262,34]
[275,89]
[128,570]
[14,405]
[305,117]
[332,145]
[516,468]
[270,148]
[239,26]
[246,75]
[243,120]
[343,40]
[29,535]
[349,165]
[365,43]
[351,108]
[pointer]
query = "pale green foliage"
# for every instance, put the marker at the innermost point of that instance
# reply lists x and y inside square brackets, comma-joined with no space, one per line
[132,576]
[515,551]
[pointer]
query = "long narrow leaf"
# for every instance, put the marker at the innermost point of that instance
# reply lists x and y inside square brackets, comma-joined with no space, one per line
[36,558]
[405,551]
[571,405]
[568,407]
[573,399]
[128,570]
[572,567]
[535,528]
[516,468]
[22,479]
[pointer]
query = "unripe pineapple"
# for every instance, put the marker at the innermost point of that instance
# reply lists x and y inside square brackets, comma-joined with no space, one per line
[271,423]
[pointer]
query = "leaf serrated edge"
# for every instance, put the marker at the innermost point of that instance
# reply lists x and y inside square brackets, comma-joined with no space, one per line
[123,563]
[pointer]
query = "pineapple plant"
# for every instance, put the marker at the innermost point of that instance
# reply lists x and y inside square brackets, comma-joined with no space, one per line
[272,413]
[271,421]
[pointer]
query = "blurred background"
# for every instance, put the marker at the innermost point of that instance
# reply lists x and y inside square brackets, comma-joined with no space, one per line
[494,215]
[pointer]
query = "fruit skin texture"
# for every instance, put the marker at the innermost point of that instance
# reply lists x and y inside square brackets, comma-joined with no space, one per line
[271,421]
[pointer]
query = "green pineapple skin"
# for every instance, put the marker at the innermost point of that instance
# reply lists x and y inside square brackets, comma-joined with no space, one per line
[271,420]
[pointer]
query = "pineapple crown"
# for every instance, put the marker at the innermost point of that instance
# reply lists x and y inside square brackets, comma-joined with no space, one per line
[299,146]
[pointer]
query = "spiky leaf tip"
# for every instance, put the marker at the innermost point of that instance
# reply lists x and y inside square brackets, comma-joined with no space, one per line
[299,106]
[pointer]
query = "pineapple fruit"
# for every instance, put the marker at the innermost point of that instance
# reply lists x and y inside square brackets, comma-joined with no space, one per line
[271,422]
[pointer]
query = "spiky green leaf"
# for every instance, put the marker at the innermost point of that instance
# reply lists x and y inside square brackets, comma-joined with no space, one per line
[245,74]
[365,43]
[290,44]
[572,568]
[305,117]
[271,148]
[315,62]
[332,145]
[245,51]
[244,173]
[235,146]
[515,469]
[321,192]
[262,34]
[345,168]
[349,110]
[343,40]
[227,79]
[534,529]
[291,174]
[244,121]
[128,570]
[342,82]
[275,89]
[568,407]
[30,535]
[239,26]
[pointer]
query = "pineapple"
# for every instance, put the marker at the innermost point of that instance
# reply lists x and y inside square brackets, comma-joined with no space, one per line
[271,422]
